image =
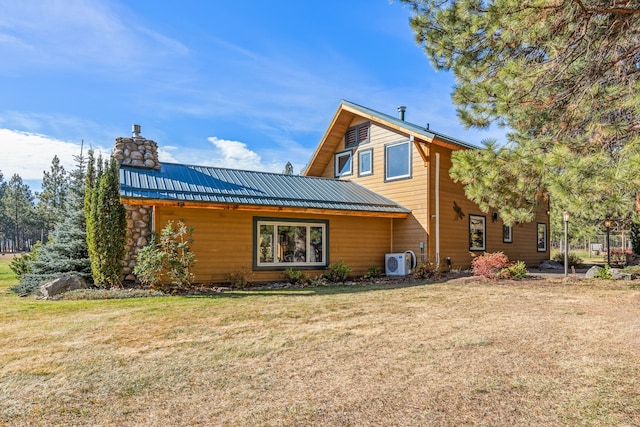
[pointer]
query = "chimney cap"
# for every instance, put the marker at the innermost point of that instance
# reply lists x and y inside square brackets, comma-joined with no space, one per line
[401,110]
[135,130]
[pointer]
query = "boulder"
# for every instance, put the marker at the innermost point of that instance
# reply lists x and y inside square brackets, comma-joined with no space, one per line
[550,265]
[590,274]
[62,284]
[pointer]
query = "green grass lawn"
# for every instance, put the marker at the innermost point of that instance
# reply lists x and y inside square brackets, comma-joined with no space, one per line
[502,353]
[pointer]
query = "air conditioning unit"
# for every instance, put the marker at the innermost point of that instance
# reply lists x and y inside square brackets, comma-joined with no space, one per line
[397,264]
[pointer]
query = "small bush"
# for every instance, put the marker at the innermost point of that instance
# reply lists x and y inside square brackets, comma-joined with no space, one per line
[295,277]
[574,259]
[517,270]
[373,271]
[338,272]
[239,278]
[20,265]
[489,264]
[426,270]
[604,273]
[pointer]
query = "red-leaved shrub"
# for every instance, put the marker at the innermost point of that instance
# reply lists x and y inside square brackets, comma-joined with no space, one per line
[489,264]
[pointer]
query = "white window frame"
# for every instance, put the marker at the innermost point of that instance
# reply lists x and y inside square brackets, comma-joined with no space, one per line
[282,264]
[387,161]
[361,171]
[479,223]
[338,156]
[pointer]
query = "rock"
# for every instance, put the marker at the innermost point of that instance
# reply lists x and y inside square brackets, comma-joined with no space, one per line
[550,265]
[590,274]
[62,284]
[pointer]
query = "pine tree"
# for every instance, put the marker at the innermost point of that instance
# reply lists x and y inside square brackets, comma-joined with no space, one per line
[51,199]
[563,77]
[18,206]
[106,225]
[66,253]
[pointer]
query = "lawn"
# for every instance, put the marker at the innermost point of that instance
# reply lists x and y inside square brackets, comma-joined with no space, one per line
[513,353]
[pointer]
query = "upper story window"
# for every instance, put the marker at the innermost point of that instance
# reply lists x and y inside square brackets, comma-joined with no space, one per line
[397,159]
[357,134]
[343,163]
[365,162]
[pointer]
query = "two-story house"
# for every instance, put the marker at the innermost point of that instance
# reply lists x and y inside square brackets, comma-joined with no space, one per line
[376,184]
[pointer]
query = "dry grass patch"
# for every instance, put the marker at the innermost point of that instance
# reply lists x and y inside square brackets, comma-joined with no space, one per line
[536,353]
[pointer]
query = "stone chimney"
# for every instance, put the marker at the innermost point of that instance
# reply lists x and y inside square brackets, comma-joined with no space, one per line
[136,151]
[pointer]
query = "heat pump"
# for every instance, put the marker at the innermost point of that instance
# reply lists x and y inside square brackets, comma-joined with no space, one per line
[397,264]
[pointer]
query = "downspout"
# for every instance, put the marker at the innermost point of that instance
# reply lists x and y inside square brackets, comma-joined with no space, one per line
[437,185]
[391,233]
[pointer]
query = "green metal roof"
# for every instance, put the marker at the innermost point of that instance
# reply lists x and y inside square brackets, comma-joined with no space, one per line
[409,126]
[186,183]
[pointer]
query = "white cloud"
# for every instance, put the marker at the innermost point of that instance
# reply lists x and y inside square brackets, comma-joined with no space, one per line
[235,155]
[30,154]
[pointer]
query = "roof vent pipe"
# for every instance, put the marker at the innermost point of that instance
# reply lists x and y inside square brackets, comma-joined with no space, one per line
[135,130]
[401,110]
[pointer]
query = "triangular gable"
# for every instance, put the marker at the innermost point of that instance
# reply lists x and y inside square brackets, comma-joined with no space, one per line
[343,118]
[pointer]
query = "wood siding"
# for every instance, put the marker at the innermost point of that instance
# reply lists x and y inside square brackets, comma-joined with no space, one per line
[223,241]
[418,194]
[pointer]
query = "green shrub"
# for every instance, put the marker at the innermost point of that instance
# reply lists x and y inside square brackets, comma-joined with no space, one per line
[604,273]
[338,272]
[426,270]
[171,257]
[239,278]
[517,270]
[295,277]
[574,259]
[21,264]
[149,264]
[489,264]
[373,271]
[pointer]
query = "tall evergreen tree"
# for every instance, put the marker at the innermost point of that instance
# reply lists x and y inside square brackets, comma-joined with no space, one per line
[563,76]
[4,222]
[106,225]
[51,199]
[66,252]
[18,208]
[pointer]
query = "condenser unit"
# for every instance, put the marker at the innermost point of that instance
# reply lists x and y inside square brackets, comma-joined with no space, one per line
[398,264]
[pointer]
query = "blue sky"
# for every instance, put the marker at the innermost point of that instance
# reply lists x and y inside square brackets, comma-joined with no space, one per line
[224,83]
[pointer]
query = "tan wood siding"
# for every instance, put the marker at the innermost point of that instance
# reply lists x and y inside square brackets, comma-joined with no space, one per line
[223,241]
[418,194]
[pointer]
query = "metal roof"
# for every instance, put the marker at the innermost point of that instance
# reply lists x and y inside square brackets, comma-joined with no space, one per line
[409,126]
[187,183]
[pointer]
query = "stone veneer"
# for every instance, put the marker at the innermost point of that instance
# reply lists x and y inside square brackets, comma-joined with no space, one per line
[137,152]
[141,153]
[138,235]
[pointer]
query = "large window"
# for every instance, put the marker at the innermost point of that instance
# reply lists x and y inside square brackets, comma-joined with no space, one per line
[397,158]
[282,243]
[358,134]
[365,162]
[477,234]
[343,163]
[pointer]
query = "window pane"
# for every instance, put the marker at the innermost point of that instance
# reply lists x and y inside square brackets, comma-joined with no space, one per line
[292,242]
[316,254]
[343,164]
[266,243]
[365,162]
[398,160]
[476,232]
